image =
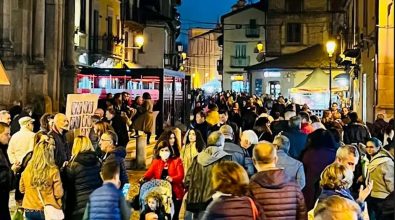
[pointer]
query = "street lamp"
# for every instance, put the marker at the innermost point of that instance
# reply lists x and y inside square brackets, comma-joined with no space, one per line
[259,47]
[330,49]
[139,41]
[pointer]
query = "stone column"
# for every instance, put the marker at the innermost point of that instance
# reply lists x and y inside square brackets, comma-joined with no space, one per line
[38,30]
[5,28]
[69,33]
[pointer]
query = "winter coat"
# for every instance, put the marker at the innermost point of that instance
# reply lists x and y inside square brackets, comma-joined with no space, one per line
[6,174]
[145,122]
[107,202]
[20,144]
[248,120]
[278,126]
[355,133]
[160,212]
[203,128]
[118,154]
[83,177]
[297,142]
[229,207]
[120,129]
[345,193]
[51,193]
[380,169]
[314,162]
[240,155]
[175,171]
[280,197]
[188,152]
[62,148]
[198,178]
[306,128]
[292,168]
[378,129]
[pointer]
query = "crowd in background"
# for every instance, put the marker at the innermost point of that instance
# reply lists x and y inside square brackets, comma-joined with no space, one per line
[242,157]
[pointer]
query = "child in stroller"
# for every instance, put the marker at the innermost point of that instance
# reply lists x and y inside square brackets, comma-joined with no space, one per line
[159,192]
[153,204]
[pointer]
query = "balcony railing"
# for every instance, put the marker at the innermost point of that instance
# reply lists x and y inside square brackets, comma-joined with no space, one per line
[239,61]
[252,32]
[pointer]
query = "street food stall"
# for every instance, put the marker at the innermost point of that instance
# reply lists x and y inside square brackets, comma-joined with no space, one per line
[314,91]
[168,89]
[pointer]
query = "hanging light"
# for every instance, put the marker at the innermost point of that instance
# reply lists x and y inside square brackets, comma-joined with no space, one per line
[139,40]
[259,46]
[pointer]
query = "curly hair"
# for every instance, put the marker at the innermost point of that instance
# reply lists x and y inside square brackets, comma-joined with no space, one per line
[336,176]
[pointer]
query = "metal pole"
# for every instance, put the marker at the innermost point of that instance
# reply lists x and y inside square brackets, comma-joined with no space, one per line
[330,81]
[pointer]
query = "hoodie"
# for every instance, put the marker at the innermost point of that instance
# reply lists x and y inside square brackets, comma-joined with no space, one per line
[380,169]
[198,178]
[210,155]
[280,197]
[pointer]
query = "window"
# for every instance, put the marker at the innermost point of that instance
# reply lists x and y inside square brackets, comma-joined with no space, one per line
[95,45]
[241,50]
[252,30]
[293,5]
[82,16]
[253,23]
[294,34]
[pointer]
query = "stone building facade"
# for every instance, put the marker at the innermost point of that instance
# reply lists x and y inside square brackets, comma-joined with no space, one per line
[36,47]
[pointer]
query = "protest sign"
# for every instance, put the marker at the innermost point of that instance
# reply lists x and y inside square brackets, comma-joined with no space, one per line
[79,109]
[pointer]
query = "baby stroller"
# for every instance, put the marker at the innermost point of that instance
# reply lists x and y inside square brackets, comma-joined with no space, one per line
[162,187]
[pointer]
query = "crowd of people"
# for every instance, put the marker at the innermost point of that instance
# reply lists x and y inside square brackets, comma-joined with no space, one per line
[242,157]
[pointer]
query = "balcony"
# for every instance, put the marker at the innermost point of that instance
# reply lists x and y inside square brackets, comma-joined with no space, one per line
[252,32]
[239,61]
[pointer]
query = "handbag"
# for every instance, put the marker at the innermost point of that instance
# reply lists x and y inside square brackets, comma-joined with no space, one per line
[255,212]
[50,212]
[18,214]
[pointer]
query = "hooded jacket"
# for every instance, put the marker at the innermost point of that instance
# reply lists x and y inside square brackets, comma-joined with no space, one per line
[198,178]
[380,169]
[279,197]
[83,177]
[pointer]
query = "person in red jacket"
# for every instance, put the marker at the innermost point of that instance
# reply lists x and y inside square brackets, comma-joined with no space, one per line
[167,166]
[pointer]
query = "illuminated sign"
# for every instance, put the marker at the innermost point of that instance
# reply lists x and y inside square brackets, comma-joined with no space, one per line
[237,77]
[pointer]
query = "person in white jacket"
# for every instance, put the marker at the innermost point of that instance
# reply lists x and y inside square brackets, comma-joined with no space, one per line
[21,142]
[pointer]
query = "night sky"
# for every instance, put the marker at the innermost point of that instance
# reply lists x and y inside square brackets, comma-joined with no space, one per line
[197,13]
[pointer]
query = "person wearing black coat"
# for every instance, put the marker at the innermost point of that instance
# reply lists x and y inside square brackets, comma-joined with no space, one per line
[82,178]
[119,126]
[58,133]
[6,173]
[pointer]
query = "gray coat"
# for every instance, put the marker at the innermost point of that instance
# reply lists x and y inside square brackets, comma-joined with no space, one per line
[292,168]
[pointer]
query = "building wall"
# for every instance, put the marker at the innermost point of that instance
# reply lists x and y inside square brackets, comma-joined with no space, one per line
[33,51]
[314,20]
[155,41]
[385,102]
[234,35]
[203,54]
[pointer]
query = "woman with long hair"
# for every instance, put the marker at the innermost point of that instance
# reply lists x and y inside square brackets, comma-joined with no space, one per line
[82,177]
[99,128]
[41,181]
[230,201]
[170,136]
[193,144]
[168,166]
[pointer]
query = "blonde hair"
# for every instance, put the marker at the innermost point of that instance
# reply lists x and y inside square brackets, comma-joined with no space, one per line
[336,176]
[337,208]
[42,162]
[101,127]
[81,144]
[230,177]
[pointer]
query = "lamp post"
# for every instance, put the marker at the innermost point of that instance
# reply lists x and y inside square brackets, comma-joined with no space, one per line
[330,48]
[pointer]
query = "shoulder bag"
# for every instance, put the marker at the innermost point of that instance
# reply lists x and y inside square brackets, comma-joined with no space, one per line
[50,212]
